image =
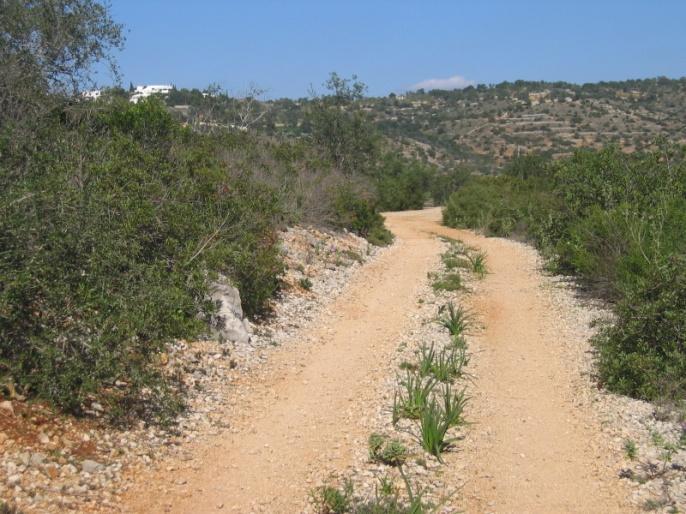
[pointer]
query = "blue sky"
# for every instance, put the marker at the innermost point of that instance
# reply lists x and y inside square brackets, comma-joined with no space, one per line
[285,46]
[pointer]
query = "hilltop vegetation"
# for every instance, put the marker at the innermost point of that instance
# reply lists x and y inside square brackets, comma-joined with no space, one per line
[479,129]
[484,127]
[488,125]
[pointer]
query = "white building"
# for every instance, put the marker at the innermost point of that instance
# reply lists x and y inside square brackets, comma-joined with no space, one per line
[94,94]
[145,91]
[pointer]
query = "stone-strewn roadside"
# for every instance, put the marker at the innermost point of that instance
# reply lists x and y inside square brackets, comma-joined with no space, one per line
[54,463]
[655,435]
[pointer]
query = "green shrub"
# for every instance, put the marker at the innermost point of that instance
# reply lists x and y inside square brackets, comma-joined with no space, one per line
[305,283]
[111,231]
[643,353]
[630,449]
[401,184]
[616,222]
[361,216]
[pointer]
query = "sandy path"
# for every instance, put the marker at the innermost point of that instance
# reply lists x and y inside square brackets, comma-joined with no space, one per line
[535,447]
[538,453]
[304,413]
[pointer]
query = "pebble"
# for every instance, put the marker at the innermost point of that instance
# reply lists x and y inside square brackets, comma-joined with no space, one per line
[91,466]
[7,407]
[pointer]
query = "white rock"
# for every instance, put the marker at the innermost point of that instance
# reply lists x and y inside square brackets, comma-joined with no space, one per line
[227,323]
[37,459]
[90,466]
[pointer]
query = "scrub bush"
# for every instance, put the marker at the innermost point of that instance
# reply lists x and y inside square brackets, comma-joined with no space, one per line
[110,232]
[616,222]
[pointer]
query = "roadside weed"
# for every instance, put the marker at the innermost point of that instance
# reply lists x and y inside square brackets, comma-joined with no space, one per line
[477,261]
[455,319]
[305,283]
[447,282]
[434,426]
[630,449]
[453,405]
[448,364]
[412,397]
[332,500]
[427,357]
[387,499]
[458,342]
[387,451]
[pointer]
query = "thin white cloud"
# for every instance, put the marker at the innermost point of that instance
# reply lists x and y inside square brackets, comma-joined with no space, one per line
[454,82]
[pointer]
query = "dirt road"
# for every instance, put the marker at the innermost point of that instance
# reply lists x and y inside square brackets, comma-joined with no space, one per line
[537,451]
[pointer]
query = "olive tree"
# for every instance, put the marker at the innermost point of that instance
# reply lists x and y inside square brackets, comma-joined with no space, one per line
[48,49]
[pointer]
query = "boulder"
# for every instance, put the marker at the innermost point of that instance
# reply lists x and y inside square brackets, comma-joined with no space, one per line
[228,323]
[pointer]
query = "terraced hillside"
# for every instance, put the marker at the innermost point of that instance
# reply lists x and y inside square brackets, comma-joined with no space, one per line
[486,125]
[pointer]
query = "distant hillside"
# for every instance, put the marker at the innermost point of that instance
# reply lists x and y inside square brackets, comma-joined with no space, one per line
[484,126]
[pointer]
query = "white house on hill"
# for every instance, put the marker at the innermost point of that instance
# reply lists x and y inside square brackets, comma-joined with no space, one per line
[93,94]
[147,90]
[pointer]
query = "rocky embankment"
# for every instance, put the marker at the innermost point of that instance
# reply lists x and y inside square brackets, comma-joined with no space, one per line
[55,463]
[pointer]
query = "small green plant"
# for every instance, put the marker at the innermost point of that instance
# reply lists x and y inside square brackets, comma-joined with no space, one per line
[651,505]
[630,449]
[386,500]
[412,397]
[454,257]
[434,426]
[333,500]
[477,261]
[448,364]
[454,403]
[386,450]
[427,358]
[455,319]
[447,282]
[450,262]
[305,283]
[657,438]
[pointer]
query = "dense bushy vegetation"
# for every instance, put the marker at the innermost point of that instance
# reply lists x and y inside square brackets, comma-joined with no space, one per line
[111,230]
[115,218]
[616,221]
